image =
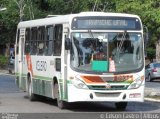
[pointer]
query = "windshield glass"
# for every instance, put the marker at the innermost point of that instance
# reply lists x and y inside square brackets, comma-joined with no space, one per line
[106,52]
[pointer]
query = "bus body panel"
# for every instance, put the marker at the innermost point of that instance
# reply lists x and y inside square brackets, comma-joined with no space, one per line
[105,94]
[43,71]
[82,95]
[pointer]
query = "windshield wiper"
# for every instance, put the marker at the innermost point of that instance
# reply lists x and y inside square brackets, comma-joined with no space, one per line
[121,42]
[91,34]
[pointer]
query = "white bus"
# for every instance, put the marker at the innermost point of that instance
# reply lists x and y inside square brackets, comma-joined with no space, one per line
[84,57]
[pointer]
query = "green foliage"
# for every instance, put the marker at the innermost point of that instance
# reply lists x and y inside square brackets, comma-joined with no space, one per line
[148,10]
[3,61]
[9,21]
[151,53]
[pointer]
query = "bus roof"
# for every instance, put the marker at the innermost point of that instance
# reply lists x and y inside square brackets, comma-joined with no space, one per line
[59,19]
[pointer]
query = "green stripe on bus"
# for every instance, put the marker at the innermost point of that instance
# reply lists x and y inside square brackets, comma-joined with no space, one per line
[42,78]
[39,77]
[23,75]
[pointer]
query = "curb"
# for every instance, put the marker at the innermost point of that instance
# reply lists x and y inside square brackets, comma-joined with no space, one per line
[151,100]
[6,72]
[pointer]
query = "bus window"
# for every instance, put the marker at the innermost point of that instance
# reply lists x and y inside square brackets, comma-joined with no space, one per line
[40,40]
[58,40]
[34,41]
[27,42]
[49,41]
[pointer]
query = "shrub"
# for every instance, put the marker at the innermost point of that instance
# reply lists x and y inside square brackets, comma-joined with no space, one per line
[151,53]
[3,61]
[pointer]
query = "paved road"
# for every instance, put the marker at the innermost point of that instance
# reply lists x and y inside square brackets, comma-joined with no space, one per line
[155,84]
[152,88]
[14,101]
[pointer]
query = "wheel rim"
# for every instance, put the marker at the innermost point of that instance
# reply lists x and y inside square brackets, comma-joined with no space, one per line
[60,103]
[29,89]
[56,91]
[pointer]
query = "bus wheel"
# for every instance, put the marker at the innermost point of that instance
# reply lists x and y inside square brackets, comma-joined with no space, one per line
[30,91]
[61,104]
[121,105]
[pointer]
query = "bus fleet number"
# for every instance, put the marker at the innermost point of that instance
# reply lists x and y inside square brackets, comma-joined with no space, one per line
[41,65]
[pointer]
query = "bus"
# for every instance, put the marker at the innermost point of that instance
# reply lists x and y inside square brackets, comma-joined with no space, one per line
[83,57]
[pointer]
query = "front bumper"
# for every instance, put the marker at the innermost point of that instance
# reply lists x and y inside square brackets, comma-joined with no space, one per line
[86,95]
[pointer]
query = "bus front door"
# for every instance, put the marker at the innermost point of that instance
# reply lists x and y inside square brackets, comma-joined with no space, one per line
[21,59]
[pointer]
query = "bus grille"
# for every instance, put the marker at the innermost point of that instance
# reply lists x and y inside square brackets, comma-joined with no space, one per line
[107,94]
[114,87]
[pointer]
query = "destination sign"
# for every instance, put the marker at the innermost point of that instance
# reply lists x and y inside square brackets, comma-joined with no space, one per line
[106,23]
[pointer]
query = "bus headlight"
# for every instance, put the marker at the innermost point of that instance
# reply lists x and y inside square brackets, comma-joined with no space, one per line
[79,84]
[136,84]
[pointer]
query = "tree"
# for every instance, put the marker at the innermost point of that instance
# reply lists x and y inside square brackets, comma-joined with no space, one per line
[8,20]
[17,10]
[21,5]
[149,11]
[150,53]
[76,6]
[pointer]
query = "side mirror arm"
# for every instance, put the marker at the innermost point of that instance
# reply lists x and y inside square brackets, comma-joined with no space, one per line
[67,44]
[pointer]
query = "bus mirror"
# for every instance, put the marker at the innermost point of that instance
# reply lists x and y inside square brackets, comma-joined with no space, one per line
[67,43]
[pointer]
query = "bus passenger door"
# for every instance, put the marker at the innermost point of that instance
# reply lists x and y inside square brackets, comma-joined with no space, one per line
[64,61]
[21,58]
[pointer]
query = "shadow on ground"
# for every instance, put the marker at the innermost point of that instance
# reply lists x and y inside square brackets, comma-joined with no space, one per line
[103,106]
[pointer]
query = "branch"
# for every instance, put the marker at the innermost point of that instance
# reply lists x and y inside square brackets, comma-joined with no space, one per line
[17,3]
[94,5]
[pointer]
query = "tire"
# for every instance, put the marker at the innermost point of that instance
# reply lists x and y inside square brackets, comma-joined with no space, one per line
[31,96]
[60,103]
[121,105]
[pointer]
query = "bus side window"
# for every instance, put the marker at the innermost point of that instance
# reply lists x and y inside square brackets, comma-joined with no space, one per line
[34,41]
[58,40]
[27,42]
[17,43]
[49,40]
[40,40]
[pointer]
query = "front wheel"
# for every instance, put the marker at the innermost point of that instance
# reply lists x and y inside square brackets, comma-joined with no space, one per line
[61,104]
[121,105]
[30,91]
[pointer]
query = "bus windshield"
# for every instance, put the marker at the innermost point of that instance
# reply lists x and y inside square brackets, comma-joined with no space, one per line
[94,51]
